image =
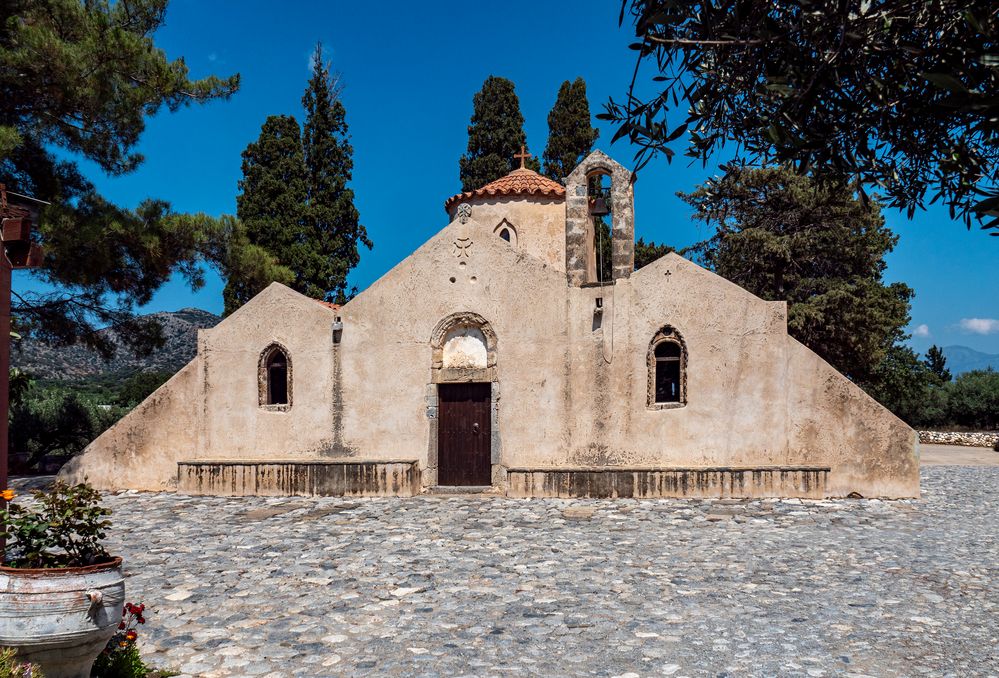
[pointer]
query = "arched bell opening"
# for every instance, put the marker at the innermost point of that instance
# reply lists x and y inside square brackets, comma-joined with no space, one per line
[599,222]
[600,267]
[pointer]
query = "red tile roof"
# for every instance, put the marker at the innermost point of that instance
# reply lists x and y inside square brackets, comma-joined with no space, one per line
[518,182]
[9,211]
[329,304]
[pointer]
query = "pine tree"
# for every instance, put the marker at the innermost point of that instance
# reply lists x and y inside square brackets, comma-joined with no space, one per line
[783,236]
[78,81]
[647,252]
[332,227]
[495,135]
[936,362]
[272,204]
[570,134]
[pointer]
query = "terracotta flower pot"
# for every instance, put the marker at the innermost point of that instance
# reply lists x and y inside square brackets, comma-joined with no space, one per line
[61,618]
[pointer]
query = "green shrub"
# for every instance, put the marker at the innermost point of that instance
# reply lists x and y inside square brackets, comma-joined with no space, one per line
[973,399]
[11,668]
[54,422]
[51,420]
[124,662]
[64,528]
[121,658]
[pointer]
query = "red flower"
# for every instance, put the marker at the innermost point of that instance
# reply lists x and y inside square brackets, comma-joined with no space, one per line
[121,625]
[131,636]
[141,620]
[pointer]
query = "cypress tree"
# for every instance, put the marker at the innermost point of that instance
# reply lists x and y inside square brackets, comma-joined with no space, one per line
[296,205]
[495,134]
[570,134]
[272,203]
[332,225]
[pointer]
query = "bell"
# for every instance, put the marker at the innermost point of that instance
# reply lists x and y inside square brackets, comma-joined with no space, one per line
[598,207]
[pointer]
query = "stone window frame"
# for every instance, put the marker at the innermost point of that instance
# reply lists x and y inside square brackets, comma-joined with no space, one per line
[262,377]
[514,236]
[667,333]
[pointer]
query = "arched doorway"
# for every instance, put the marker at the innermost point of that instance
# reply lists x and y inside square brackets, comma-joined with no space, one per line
[463,446]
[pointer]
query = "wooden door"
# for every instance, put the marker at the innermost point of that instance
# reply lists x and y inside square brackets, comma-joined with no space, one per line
[463,435]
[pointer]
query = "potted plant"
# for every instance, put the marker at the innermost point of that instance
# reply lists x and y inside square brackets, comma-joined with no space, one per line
[61,592]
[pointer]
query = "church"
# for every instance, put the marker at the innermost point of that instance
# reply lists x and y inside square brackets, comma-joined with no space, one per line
[497,358]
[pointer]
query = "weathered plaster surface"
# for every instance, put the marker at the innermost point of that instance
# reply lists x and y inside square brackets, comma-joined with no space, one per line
[234,426]
[538,224]
[141,451]
[465,348]
[574,379]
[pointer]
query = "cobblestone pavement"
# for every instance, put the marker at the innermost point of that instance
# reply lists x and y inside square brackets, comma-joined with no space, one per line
[473,586]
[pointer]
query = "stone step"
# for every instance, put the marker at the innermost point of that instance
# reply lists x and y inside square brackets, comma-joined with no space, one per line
[459,489]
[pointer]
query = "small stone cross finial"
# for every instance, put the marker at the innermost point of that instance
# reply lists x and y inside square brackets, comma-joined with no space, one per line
[523,155]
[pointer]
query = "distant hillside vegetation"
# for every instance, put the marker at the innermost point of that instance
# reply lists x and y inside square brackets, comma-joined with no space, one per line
[961,359]
[180,329]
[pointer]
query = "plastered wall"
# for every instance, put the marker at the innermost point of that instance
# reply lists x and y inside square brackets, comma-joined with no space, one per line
[141,451]
[754,395]
[571,385]
[539,224]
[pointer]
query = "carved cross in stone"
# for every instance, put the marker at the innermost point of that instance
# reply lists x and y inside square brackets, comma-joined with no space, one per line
[523,155]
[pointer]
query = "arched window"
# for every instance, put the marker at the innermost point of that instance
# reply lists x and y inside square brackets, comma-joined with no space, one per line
[667,370]
[274,378]
[507,231]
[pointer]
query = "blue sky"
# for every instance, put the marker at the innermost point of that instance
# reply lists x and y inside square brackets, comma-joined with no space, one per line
[410,70]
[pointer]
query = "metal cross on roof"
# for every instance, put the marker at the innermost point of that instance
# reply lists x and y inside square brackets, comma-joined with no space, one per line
[523,155]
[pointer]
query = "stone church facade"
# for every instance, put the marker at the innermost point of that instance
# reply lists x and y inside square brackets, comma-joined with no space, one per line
[494,359]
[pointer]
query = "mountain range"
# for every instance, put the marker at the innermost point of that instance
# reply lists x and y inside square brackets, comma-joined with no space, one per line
[961,359]
[180,330]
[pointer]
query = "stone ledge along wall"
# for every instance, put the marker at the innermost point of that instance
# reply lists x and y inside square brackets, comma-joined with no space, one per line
[965,438]
[805,483]
[309,479]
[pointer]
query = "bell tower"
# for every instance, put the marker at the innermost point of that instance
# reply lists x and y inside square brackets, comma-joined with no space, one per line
[581,211]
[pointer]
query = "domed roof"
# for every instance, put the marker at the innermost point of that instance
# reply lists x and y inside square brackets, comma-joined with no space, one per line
[518,182]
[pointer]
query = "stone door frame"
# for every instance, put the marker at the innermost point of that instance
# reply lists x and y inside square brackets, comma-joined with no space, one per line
[441,375]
